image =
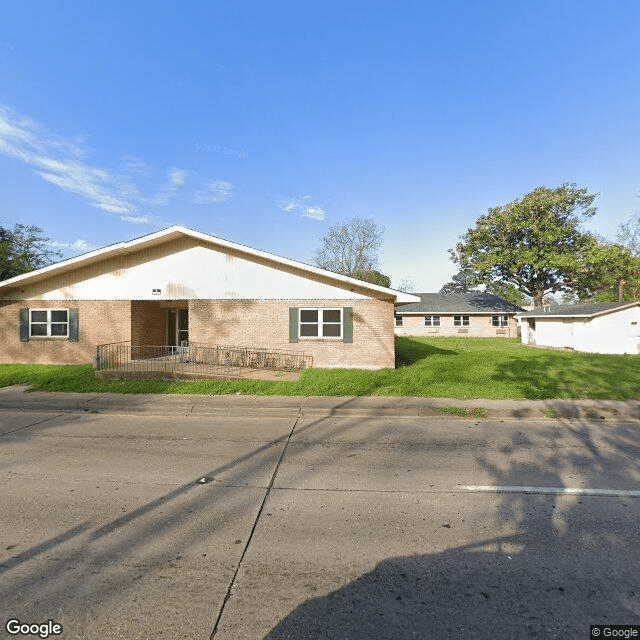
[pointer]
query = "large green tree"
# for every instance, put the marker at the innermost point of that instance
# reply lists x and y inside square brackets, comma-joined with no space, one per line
[22,249]
[609,273]
[467,280]
[508,292]
[628,235]
[464,281]
[374,277]
[534,243]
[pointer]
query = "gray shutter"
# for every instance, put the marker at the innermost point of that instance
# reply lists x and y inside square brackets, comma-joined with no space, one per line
[293,324]
[24,325]
[347,324]
[73,325]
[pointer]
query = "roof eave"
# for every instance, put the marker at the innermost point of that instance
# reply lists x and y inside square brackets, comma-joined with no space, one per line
[122,248]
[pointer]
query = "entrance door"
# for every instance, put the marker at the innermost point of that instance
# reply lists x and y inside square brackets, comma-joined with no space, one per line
[177,326]
[531,337]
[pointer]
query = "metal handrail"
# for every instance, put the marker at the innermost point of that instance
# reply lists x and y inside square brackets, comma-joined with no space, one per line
[192,357]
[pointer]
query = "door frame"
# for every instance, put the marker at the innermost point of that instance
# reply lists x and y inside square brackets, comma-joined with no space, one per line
[173,324]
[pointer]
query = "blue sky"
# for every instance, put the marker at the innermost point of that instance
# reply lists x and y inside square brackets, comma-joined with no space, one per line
[265,123]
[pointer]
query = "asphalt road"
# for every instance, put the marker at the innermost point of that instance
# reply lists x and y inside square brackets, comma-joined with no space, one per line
[187,517]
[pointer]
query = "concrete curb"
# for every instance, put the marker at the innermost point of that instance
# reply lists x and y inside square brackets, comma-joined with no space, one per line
[15,398]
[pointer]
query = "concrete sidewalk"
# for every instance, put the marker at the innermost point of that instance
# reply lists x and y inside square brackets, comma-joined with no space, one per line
[18,398]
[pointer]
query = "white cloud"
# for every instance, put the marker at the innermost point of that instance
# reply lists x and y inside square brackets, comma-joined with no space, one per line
[138,219]
[78,245]
[215,191]
[135,165]
[176,179]
[61,162]
[317,213]
[304,210]
[293,205]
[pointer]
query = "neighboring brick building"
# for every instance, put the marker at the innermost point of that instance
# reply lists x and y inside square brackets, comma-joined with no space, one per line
[180,285]
[475,314]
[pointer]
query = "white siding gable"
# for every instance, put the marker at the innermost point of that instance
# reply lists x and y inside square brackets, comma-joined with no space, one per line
[195,272]
[617,332]
[614,332]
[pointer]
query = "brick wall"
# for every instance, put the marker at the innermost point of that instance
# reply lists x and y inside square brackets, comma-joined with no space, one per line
[99,322]
[148,323]
[257,323]
[265,323]
[479,327]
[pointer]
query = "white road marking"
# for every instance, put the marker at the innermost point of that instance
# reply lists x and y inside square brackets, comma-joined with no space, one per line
[574,491]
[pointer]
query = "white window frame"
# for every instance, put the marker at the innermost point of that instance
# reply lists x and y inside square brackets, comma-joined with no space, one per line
[461,321]
[48,324]
[398,321]
[320,323]
[500,321]
[432,321]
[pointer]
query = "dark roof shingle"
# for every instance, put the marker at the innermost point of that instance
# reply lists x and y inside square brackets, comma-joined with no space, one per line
[474,302]
[577,310]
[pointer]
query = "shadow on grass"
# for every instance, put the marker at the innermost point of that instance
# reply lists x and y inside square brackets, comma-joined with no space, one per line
[409,351]
[572,375]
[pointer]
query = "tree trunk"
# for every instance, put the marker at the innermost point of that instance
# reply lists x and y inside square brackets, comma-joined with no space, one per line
[537,298]
[621,284]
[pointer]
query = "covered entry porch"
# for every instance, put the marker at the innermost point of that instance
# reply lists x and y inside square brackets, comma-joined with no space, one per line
[159,322]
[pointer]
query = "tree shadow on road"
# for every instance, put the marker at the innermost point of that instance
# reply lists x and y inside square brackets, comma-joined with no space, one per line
[571,561]
[475,592]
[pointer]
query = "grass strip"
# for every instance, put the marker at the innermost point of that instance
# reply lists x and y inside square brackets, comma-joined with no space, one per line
[463,368]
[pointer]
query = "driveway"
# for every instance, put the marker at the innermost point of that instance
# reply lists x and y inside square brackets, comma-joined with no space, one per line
[241,517]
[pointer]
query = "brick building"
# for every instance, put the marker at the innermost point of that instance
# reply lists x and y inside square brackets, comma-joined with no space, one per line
[180,285]
[475,314]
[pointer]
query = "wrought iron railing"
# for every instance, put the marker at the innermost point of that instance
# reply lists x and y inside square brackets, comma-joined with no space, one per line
[193,358]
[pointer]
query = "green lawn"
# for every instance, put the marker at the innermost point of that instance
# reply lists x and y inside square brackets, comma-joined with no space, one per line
[470,368]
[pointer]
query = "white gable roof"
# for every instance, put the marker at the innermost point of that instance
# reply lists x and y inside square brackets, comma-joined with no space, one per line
[286,278]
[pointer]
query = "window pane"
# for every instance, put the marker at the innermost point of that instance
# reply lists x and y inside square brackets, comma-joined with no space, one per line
[309,330]
[38,329]
[309,315]
[331,315]
[59,316]
[495,321]
[465,321]
[457,321]
[331,330]
[436,321]
[38,316]
[59,329]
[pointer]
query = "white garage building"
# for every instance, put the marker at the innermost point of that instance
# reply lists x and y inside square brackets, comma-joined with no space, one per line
[612,327]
